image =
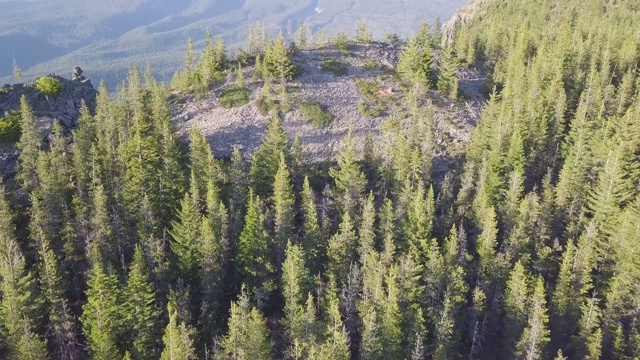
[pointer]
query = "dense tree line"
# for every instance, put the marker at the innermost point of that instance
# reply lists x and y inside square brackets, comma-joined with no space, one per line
[137,246]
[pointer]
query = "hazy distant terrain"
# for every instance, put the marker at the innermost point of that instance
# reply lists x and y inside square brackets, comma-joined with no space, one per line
[105,38]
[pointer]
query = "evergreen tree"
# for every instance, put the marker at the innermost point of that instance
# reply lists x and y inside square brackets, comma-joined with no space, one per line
[414,64]
[284,210]
[363,35]
[62,323]
[342,249]
[102,316]
[186,244]
[20,303]
[248,337]
[277,63]
[448,74]
[29,146]
[267,158]
[254,262]
[178,338]
[311,240]
[349,179]
[141,313]
[534,340]
[295,280]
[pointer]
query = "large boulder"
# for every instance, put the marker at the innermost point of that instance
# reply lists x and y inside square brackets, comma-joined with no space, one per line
[65,106]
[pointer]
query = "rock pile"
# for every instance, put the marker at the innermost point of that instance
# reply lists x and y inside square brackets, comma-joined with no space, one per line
[64,107]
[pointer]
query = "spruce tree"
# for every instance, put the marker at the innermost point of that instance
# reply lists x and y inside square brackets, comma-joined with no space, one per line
[448,74]
[29,146]
[177,338]
[342,249]
[349,179]
[20,303]
[266,159]
[248,336]
[534,339]
[186,244]
[102,315]
[295,279]
[141,313]
[283,201]
[311,241]
[254,263]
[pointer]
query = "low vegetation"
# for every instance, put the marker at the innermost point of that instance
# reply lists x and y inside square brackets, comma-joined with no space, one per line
[234,96]
[10,127]
[315,114]
[336,66]
[376,100]
[48,85]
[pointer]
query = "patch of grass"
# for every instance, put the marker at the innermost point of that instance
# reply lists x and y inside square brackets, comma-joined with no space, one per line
[337,67]
[48,85]
[314,114]
[10,127]
[234,97]
[370,64]
[370,110]
[265,105]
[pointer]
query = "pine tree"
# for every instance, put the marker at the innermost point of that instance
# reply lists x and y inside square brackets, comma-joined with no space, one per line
[283,201]
[414,64]
[448,75]
[349,178]
[102,317]
[186,244]
[534,340]
[29,146]
[141,313]
[295,279]
[311,240]
[266,159]
[342,249]
[20,303]
[336,345]
[341,42]
[52,286]
[363,35]
[516,304]
[419,224]
[248,337]
[254,262]
[277,63]
[177,338]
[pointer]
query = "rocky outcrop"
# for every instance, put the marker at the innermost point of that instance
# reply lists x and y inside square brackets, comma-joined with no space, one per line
[64,107]
[473,9]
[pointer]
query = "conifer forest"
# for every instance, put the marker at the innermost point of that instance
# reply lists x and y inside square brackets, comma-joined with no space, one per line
[124,240]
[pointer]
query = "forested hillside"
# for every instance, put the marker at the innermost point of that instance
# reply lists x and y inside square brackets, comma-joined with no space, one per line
[121,241]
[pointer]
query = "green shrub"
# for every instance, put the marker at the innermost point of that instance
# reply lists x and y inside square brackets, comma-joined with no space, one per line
[337,67]
[234,97]
[370,64]
[314,114]
[10,127]
[48,85]
[265,105]
[370,110]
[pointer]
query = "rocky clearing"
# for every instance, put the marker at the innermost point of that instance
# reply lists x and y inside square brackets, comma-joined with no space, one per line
[244,126]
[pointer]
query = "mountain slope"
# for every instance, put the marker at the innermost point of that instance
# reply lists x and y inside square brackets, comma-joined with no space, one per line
[106,40]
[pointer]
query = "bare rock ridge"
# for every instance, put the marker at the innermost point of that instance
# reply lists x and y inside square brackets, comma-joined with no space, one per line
[338,94]
[473,9]
[64,107]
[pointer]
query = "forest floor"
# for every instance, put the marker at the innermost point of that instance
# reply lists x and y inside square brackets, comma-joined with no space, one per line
[339,95]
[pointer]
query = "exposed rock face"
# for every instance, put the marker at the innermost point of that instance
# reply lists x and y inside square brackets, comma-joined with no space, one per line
[461,17]
[65,107]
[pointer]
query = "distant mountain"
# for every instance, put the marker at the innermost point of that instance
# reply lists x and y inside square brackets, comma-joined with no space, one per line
[105,38]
